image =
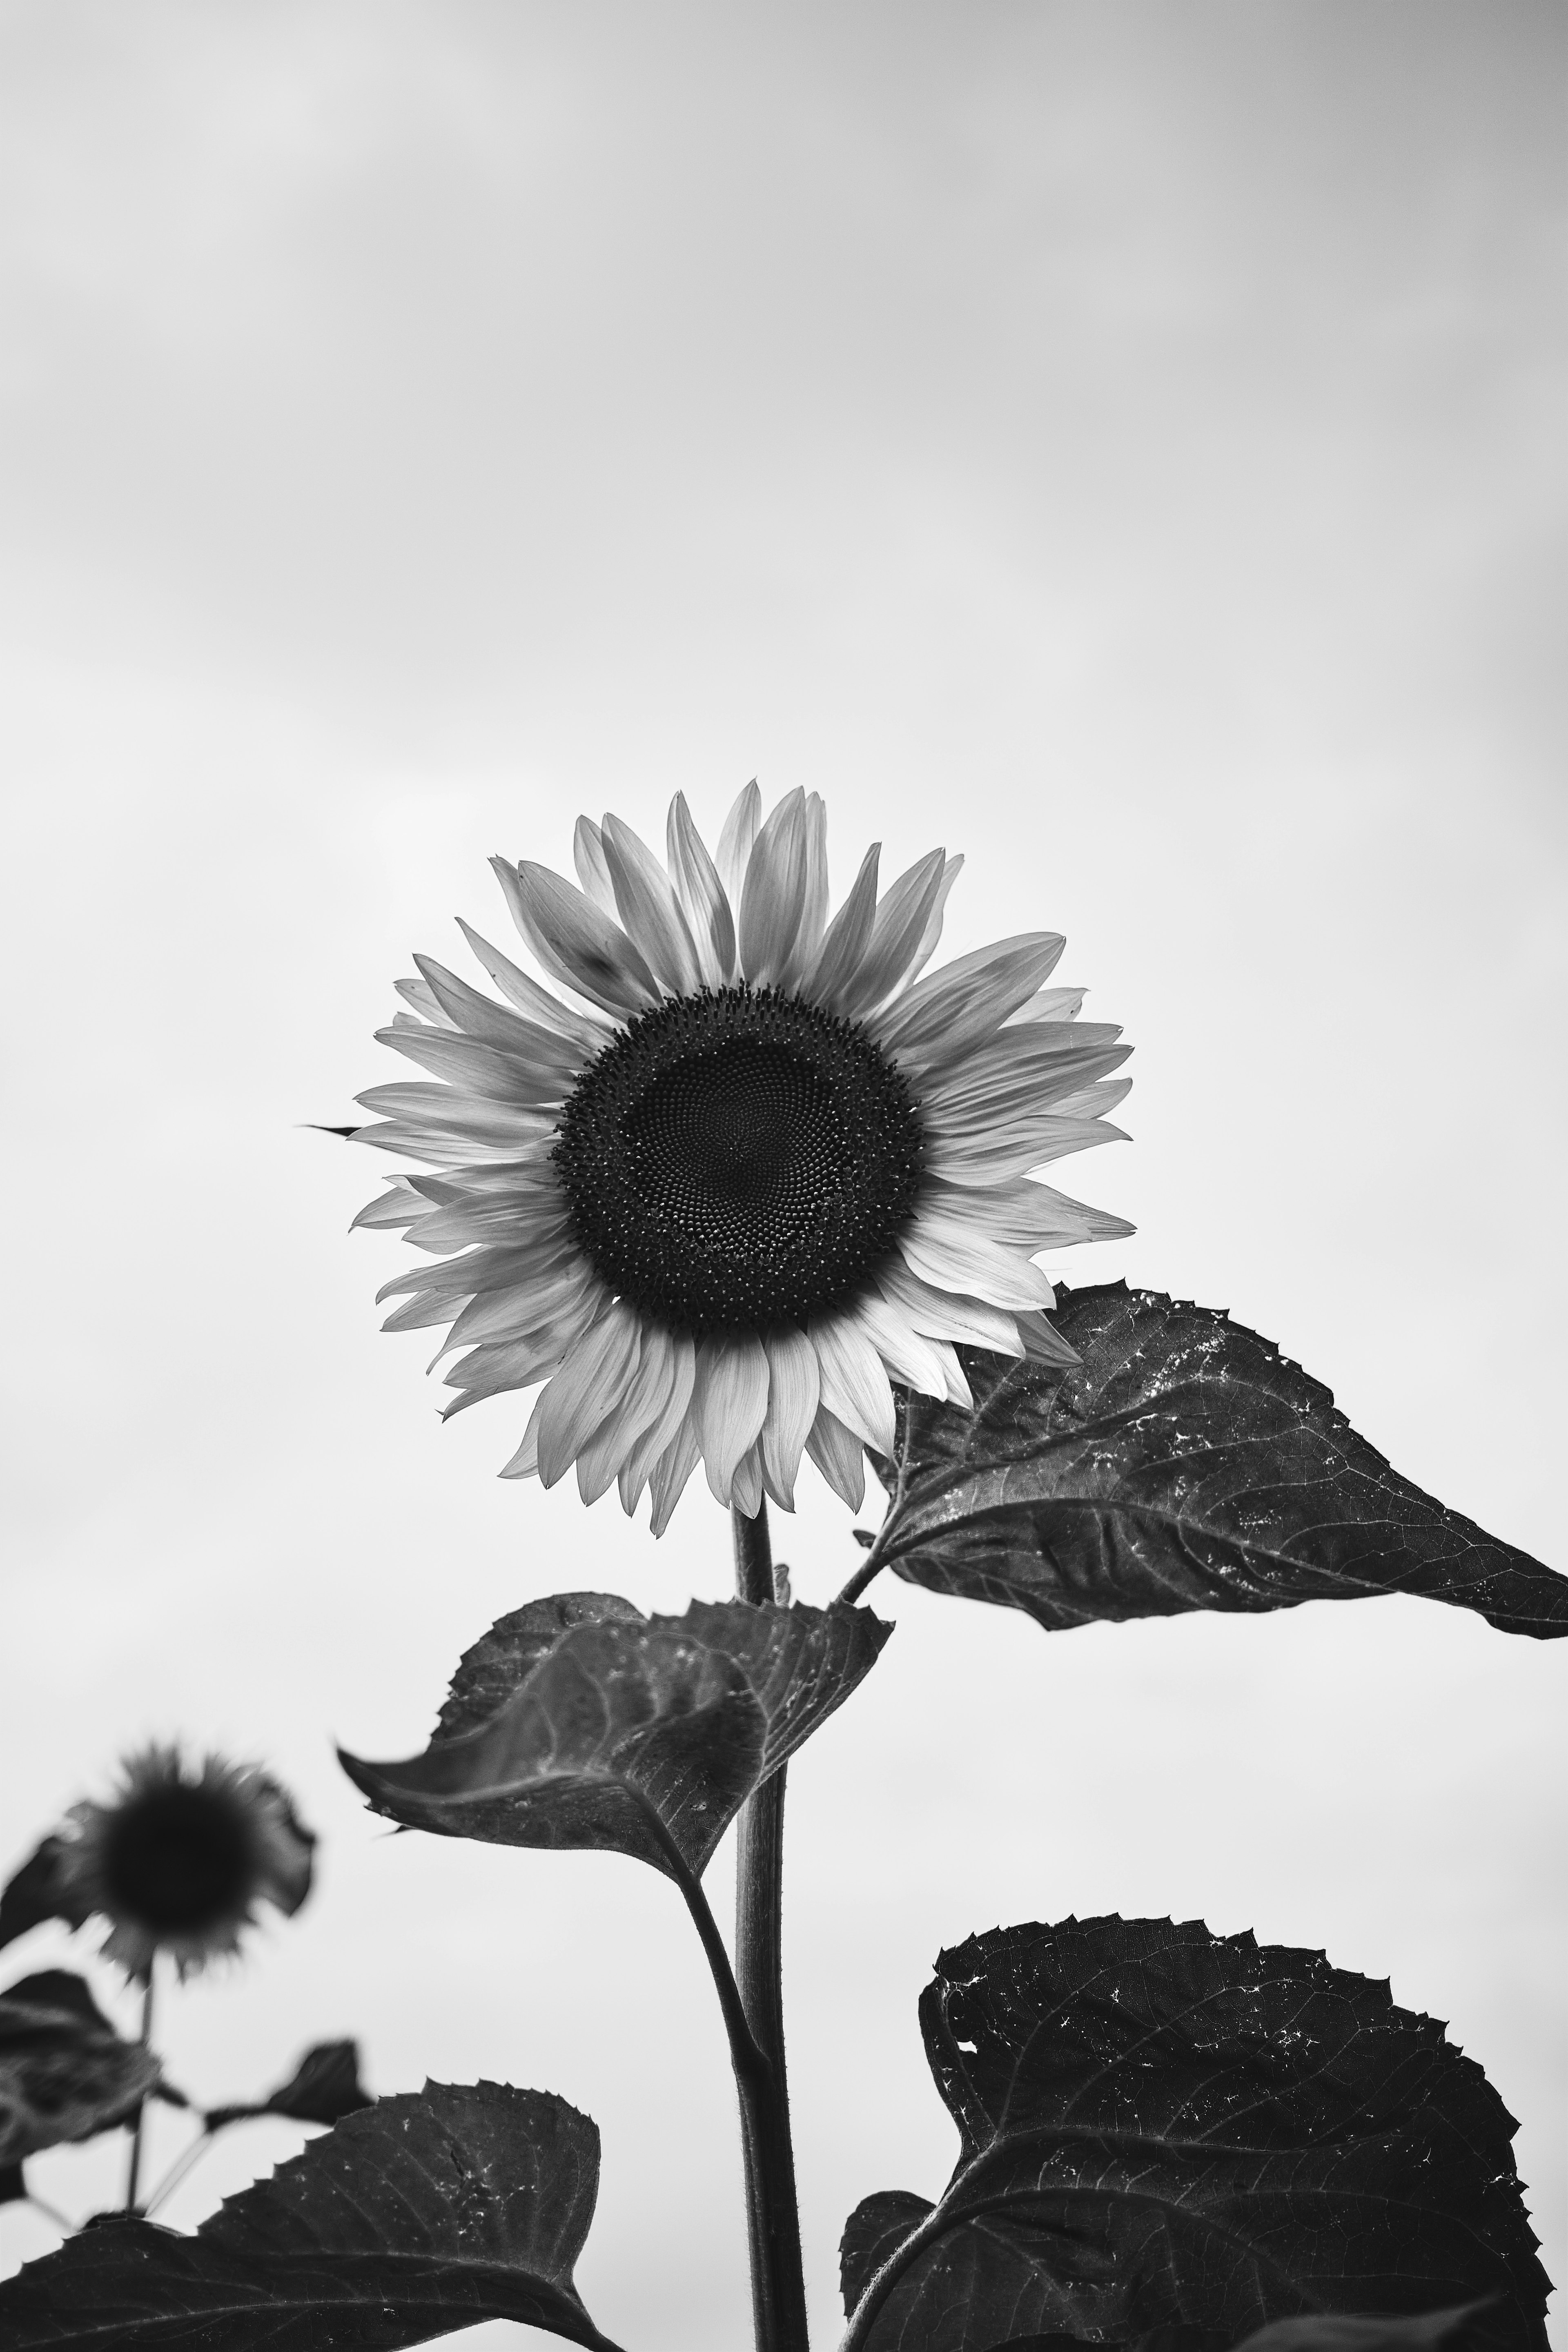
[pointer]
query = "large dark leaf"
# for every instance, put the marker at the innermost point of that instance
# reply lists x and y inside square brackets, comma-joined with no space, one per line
[1320,2331]
[37,1891]
[413,2217]
[579,1722]
[323,2088]
[1165,2130]
[1186,1463]
[64,2073]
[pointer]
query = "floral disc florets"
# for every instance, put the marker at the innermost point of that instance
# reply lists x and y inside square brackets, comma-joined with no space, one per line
[739,1159]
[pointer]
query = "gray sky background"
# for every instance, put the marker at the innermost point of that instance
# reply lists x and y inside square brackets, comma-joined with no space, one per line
[1123,442]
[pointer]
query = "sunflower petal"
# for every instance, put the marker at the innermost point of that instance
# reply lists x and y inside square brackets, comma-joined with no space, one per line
[952,1255]
[700,892]
[813,920]
[940,1314]
[637,1467]
[773,897]
[942,1016]
[736,839]
[584,1030]
[650,909]
[602,1459]
[593,868]
[794,1388]
[896,936]
[854,1379]
[574,941]
[730,1404]
[840,1457]
[673,1468]
[845,943]
[586,1390]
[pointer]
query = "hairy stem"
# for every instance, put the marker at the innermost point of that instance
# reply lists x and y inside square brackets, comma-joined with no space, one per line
[778,2282]
[139,2124]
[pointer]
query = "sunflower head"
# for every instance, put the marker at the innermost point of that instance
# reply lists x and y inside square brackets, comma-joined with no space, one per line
[741,1167]
[177,1859]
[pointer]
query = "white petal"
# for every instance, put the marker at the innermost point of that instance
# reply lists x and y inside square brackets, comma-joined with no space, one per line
[943,1314]
[701,894]
[746,1488]
[1012,1146]
[492,1371]
[729,1406]
[650,911]
[794,1387]
[772,898]
[895,937]
[1044,1343]
[586,1390]
[584,1030]
[641,1407]
[854,1380]
[946,1014]
[478,1069]
[673,1468]
[574,941]
[1026,1075]
[1050,1005]
[840,1457]
[846,938]
[909,1357]
[1030,1215]
[418,992]
[813,904]
[637,1467]
[932,931]
[593,869]
[536,1047]
[735,841]
[524,1463]
[950,1254]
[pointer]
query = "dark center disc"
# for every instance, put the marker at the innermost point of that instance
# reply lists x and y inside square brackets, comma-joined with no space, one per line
[179,1860]
[739,1159]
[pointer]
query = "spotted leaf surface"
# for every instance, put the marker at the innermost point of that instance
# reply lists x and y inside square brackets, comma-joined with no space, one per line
[1185,1464]
[578,1722]
[415,2217]
[64,2073]
[1164,2130]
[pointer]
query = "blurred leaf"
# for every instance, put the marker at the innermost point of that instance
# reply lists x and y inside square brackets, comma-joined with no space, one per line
[577,1722]
[1185,1464]
[12,2185]
[1165,2130]
[416,2216]
[35,1892]
[1456,2329]
[323,2088]
[64,2073]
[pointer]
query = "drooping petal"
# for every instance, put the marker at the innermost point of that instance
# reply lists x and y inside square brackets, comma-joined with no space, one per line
[1015,1146]
[794,1387]
[854,1380]
[773,897]
[840,1457]
[701,894]
[932,931]
[593,868]
[650,911]
[600,1461]
[637,1467]
[729,1405]
[917,1361]
[586,1390]
[670,1473]
[736,839]
[536,1047]
[746,1486]
[941,1313]
[574,941]
[846,939]
[1050,1005]
[464,1062]
[956,1259]
[418,992]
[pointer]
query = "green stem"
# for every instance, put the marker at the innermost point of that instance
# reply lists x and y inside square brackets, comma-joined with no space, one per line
[139,2125]
[778,2279]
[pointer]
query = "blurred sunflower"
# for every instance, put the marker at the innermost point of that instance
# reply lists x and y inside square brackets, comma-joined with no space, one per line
[177,1859]
[752,1172]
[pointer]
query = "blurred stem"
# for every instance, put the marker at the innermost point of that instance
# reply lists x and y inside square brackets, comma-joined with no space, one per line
[139,2126]
[178,2169]
[773,2217]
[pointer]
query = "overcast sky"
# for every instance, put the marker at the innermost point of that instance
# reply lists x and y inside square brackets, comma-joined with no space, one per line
[1123,443]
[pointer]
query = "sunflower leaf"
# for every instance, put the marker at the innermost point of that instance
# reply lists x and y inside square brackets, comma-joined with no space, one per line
[1185,1464]
[419,2215]
[1166,2130]
[578,1722]
[37,1891]
[323,2088]
[64,2073]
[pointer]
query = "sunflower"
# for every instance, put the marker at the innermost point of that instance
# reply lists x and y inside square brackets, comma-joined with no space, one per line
[747,1171]
[177,1859]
